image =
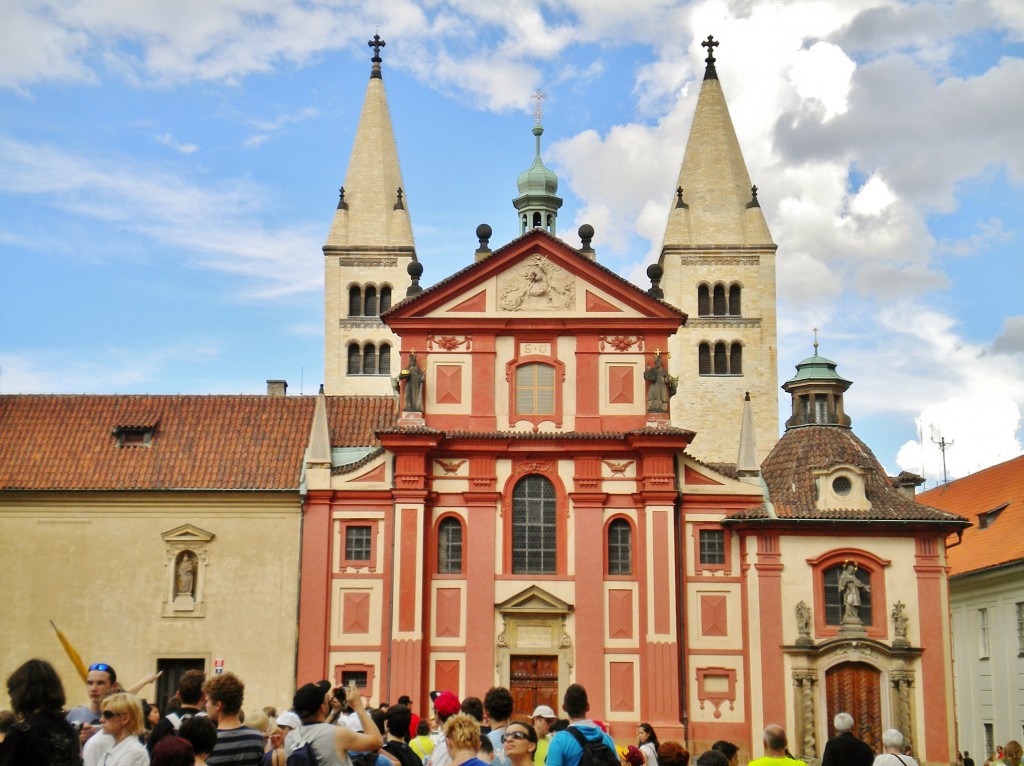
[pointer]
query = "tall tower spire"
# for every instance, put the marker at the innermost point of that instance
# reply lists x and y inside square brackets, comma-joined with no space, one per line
[719,266]
[368,249]
[537,202]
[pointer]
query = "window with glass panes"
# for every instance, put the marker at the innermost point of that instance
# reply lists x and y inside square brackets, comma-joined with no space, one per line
[620,548]
[535,389]
[712,546]
[834,605]
[449,546]
[357,543]
[533,526]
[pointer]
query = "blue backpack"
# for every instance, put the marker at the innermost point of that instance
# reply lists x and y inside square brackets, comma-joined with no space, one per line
[303,755]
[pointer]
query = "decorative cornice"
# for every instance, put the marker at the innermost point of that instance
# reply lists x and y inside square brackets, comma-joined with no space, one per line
[350,323]
[723,321]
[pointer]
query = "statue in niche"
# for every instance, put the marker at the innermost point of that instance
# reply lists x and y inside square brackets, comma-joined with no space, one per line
[663,386]
[413,377]
[850,587]
[185,575]
[803,619]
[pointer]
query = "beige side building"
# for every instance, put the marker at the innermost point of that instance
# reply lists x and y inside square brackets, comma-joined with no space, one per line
[367,255]
[157,532]
[718,259]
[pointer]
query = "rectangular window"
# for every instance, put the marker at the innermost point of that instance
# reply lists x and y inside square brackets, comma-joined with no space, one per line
[1020,629]
[535,389]
[357,543]
[712,546]
[357,678]
[990,739]
[983,634]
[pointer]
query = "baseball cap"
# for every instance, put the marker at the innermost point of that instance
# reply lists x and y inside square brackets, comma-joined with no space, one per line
[445,703]
[543,711]
[309,698]
[289,719]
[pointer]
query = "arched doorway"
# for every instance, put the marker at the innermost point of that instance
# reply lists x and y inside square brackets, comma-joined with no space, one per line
[855,688]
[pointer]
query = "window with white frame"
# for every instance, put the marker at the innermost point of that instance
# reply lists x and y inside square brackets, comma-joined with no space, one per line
[983,634]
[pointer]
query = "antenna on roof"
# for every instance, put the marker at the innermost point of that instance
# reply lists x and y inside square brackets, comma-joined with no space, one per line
[941,441]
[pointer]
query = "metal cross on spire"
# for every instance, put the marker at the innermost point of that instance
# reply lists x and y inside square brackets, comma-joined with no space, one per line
[538,98]
[711,43]
[376,43]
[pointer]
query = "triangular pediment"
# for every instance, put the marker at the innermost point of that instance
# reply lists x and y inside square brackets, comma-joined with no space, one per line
[534,600]
[187,533]
[534,277]
[699,478]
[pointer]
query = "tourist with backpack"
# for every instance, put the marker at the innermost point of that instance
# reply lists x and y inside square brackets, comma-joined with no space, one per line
[583,743]
[190,692]
[318,743]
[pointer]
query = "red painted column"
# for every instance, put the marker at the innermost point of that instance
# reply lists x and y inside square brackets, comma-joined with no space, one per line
[314,587]
[936,668]
[769,585]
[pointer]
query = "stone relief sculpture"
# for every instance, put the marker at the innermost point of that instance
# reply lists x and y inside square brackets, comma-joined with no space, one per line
[536,285]
[899,624]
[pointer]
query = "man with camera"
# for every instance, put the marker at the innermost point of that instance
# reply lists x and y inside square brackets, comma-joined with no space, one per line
[330,744]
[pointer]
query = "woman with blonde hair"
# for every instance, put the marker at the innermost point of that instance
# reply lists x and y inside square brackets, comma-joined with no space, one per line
[1012,753]
[462,735]
[122,720]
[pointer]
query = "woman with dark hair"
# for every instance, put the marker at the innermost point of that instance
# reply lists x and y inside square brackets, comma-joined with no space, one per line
[729,750]
[648,743]
[41,736]
[519,742]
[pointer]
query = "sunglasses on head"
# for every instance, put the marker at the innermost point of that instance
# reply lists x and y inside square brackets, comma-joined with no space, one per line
[102,667]
[514,735]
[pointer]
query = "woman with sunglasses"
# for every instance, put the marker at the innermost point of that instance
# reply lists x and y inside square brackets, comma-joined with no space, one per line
[122,720]
[520,743]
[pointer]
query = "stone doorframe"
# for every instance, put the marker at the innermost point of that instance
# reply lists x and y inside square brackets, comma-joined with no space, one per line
[534,622]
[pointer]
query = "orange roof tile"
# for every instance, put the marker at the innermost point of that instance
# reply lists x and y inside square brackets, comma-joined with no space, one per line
[1003,541]
[353,420]
[66,442]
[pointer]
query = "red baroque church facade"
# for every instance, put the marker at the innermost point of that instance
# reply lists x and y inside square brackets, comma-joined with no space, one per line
[573,486]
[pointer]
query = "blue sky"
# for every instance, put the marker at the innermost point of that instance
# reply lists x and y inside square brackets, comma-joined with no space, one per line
[168,173]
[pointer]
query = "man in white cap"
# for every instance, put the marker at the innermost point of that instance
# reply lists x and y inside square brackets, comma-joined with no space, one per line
[543,719]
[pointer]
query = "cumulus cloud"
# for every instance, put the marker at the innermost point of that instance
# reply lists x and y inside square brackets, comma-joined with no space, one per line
[184,148]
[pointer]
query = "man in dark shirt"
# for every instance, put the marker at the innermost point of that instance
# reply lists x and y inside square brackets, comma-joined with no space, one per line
[190,692]
[845,749]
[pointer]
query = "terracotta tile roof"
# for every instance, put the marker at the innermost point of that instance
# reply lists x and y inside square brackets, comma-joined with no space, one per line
[1002,542]
[54,442]
[788,473]
[353,420]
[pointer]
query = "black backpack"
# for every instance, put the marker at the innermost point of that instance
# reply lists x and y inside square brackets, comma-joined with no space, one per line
[303,755]
[595,751]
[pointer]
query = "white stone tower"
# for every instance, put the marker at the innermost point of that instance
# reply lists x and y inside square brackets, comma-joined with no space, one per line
[718,260]
[367,254]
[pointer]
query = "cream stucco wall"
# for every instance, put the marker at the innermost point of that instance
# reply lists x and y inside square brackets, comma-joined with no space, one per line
[96,564]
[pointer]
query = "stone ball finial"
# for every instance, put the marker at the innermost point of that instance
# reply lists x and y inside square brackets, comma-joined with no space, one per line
[414,269]
[655,273]
[586,232]
[483,232]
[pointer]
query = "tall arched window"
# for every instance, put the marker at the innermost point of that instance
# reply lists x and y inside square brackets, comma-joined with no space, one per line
[704,359]
[355,359]
[736,359]
[369,360]
[384,360]
[721,360]
[534,543]
[734,300]
[836,597]
[449,546]
[370,302]
[620,547]
[385,298]
[535,389]
[355,301]
[703,301]
[719,301]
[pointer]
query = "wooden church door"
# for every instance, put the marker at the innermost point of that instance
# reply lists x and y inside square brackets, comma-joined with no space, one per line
[855,688]
[533,680]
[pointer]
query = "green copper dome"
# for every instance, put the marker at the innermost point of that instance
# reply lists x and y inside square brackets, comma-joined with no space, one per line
[817,368]
[538,179]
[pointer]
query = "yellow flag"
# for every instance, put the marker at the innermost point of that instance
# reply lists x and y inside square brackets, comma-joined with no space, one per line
[71,652]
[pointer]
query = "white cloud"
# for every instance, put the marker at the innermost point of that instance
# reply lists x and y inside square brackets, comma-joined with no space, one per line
[977,432]
[215,227]
[168,140]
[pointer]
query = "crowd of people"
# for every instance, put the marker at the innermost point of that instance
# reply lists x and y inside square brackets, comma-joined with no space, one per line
[329,725]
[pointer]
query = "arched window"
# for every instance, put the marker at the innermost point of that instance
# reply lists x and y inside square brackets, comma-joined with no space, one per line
[535,389]
[534,543]
[703,301]
[620,547]
[370,302]
[736,359]
[840,590]
[721,360]
[449,546]
[369,360]
[704,359]
[384,360]
[355,359]
[734,300]
[537,220]
[355,301]
[385,299]
[719,301]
